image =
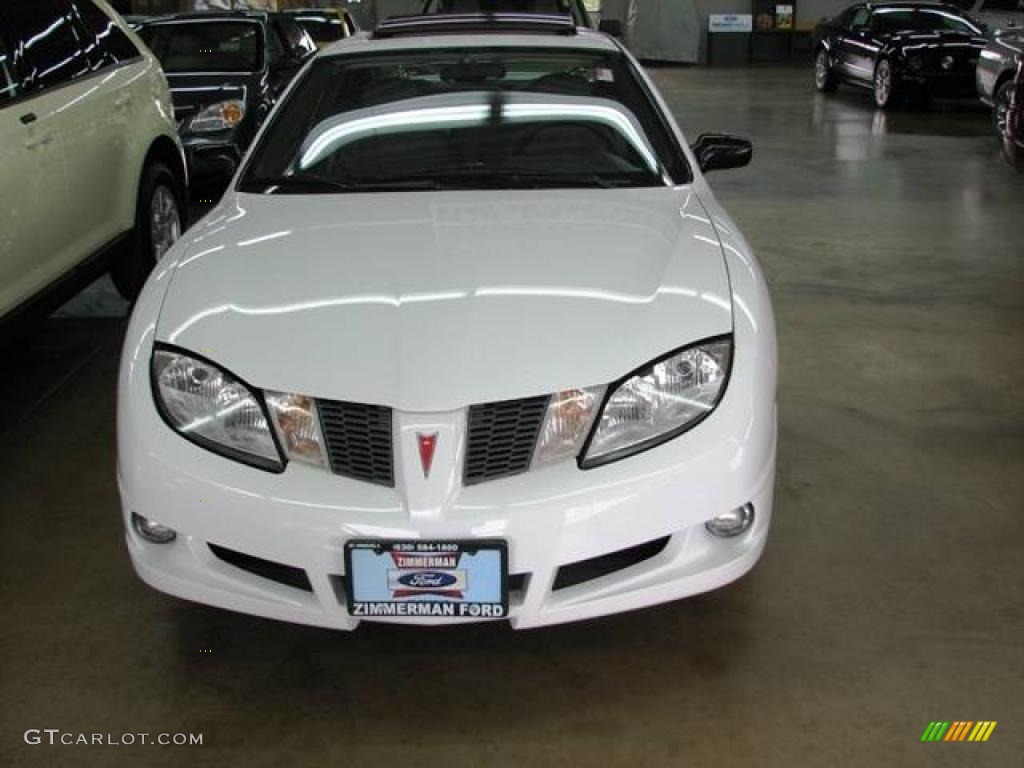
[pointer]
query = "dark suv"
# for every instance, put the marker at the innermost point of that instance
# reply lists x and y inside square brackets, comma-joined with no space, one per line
[226,71]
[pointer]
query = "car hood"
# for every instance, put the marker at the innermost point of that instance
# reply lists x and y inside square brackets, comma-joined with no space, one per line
[938,39]
[434,301]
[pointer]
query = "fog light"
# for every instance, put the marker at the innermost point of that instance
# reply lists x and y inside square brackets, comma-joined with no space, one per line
[151,530]
[731,523]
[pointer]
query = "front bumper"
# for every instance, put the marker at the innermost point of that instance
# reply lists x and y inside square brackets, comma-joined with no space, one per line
[211,160]
[550,517]
[943,84]
[543,534]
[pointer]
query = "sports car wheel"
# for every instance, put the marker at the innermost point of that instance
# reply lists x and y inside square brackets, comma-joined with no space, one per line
[824,79]
[885,96]
[1001,105]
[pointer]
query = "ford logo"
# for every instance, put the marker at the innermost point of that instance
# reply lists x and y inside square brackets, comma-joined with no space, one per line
[427,580]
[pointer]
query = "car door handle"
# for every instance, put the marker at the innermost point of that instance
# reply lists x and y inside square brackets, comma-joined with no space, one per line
[28,118]
[122,101]
[38,141]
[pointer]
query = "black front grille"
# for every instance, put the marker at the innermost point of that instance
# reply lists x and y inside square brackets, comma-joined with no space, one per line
[596,567]
[267,569]
[502,437]
[358,439]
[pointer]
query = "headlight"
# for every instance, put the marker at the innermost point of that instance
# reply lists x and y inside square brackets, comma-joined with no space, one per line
[566,424]
[213,409]
[218,117]
[660,402]
[298,426]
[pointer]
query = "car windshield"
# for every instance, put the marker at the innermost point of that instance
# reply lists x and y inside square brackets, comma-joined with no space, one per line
[478,119]
[323,28]
[206,46]
[921,20]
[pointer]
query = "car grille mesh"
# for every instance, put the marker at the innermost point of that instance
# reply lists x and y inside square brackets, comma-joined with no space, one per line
[359,443]
[500,442]
[501,438]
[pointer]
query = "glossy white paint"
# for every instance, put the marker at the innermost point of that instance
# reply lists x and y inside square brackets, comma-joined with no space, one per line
[78,164]
[428,303]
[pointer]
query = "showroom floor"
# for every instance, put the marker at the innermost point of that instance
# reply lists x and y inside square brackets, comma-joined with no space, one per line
[891,592]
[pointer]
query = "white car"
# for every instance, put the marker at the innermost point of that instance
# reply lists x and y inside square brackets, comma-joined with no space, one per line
[92,171]
[468,338]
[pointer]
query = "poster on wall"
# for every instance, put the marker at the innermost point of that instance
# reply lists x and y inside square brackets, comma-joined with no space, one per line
[730,22]
[783,16]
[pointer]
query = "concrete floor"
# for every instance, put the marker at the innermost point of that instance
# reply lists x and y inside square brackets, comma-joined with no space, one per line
[891,593]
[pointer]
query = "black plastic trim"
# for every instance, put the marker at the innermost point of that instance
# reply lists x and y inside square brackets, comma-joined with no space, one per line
[582,571]
[288,575]
[664,437]
[258,462]
[476,23]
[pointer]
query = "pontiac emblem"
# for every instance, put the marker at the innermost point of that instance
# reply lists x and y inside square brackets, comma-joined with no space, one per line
[427,444]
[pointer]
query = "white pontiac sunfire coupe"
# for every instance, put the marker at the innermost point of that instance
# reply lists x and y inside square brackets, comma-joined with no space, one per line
[468,338]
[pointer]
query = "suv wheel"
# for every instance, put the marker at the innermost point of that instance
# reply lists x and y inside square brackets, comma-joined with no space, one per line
[159,216]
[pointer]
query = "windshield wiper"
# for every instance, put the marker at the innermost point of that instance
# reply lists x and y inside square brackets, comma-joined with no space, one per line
[298,183]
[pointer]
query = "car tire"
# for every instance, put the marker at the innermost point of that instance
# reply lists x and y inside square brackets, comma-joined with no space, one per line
[825,79]
[1000,105]
[884,85]
[159,221]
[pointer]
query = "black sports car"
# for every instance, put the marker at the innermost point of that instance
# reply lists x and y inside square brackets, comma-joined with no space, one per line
[899,49]
[226,70]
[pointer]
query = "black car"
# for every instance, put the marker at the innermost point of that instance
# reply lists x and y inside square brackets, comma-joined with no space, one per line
[999,61]
[226,71]
[1013,131]
[899,50]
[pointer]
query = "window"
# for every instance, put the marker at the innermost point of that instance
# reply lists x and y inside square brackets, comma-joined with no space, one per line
[466,119]
[208,46]
[323,28]
[294,37]
[1000,6]
[921,20]
[8,82]
[859,19]
[53,53]
[111,45]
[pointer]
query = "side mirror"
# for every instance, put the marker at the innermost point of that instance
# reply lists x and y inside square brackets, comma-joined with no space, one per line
[611,27]
[719,151]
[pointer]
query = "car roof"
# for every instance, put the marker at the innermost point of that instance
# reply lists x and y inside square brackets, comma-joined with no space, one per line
[211,16]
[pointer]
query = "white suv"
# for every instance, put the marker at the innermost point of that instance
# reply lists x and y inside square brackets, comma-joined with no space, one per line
[93,173]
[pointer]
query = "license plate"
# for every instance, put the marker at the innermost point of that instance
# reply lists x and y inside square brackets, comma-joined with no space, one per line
[445,579]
